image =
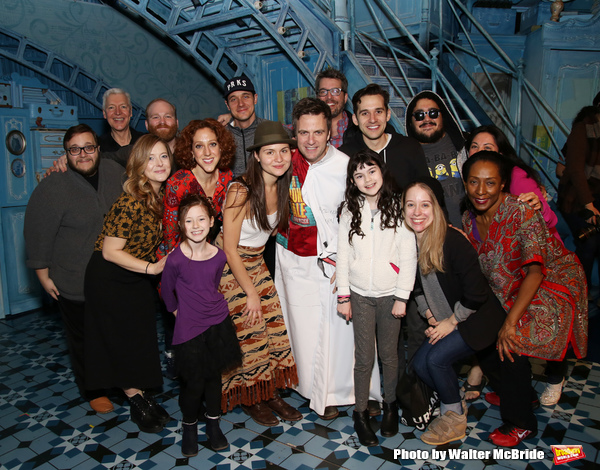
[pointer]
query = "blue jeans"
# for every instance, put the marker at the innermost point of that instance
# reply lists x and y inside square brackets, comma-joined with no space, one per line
[433,364]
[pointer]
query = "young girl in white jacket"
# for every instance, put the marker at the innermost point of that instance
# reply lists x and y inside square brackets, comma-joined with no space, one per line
[376,268]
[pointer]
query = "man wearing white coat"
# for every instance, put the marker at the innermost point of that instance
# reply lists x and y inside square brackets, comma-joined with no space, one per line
[322,341]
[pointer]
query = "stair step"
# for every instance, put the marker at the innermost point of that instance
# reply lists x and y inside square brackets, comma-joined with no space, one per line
[411,68]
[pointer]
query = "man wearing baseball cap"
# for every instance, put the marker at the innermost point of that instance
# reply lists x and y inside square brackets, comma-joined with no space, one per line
[240,98]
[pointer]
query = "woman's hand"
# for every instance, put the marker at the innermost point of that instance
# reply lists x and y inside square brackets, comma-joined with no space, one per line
[532,199]
[252,310]
[507,341]
[399,309]
[443,329]
[345,310]
[157,268]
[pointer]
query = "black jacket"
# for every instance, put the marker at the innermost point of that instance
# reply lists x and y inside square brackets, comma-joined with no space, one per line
[464,282]
[403,156]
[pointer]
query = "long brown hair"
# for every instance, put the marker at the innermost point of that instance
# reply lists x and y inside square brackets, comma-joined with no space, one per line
[254,195]
[137,183]
[431,242]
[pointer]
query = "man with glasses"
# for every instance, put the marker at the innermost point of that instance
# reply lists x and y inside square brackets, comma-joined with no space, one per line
[332,88]
[63,219]
[429,121]
[403,156]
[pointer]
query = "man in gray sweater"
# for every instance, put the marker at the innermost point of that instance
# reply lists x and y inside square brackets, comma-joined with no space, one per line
[240,98]
[63,219]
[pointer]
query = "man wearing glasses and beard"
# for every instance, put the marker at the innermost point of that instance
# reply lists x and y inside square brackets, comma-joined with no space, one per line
[62,221]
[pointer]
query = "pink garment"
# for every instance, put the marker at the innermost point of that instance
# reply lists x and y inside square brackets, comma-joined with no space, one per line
[521,183]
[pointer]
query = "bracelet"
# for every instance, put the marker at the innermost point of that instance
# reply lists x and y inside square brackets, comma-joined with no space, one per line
[147,266]
[343,296]
[343,301]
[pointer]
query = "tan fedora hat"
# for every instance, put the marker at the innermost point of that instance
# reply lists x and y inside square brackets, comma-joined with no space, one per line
[271,132]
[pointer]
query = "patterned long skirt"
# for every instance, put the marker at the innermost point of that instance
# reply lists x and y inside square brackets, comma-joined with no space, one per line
[267,361]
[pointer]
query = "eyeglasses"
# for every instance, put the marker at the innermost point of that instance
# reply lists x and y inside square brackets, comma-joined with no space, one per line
[77,150]
[333,91]
[420,115]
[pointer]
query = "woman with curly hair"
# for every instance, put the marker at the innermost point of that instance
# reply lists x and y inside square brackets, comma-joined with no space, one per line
[376,266]
[204,151]
[121,347]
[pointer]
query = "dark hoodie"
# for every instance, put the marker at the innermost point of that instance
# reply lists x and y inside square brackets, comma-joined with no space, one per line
[403,156]
[448,171]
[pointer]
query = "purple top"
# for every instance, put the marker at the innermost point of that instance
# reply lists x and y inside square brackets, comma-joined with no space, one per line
[191,288]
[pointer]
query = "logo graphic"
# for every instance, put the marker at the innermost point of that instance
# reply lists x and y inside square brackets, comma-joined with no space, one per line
[564,454]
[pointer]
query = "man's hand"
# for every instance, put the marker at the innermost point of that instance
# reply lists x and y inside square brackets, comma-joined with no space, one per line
[60,164]
[224,119]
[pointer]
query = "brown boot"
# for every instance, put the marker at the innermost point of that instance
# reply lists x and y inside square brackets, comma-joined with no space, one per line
[286,412]
[261,414]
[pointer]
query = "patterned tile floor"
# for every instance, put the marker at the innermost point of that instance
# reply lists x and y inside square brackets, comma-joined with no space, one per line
[44,423]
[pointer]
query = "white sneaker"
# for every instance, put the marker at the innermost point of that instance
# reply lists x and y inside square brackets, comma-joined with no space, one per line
[551,394]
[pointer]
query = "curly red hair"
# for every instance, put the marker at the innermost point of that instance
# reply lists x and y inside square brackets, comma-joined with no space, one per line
[183,145]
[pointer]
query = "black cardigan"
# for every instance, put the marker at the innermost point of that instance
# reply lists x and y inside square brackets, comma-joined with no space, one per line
[463,281]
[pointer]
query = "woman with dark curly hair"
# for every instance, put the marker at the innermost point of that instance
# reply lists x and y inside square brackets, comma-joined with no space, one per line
[204,151]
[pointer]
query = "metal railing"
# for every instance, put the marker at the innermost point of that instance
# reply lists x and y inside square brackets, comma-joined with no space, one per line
[451,43]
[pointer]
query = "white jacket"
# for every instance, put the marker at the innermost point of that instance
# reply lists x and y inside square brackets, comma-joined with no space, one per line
[366,265]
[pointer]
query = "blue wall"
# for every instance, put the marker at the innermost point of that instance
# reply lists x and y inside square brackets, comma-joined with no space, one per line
[114,48]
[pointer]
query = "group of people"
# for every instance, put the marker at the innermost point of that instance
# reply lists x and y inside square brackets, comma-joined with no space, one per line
[368,237]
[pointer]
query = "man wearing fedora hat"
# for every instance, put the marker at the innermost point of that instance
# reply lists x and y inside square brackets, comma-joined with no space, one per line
[322,341]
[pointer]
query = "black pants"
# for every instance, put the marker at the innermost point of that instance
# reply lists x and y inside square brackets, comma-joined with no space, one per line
[72,313]
[512,382]
[415,326]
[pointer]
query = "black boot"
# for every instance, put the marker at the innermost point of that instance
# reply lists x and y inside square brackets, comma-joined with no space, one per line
[389,422]
[366,436]
[189,439]
[142,415]
[217,439]
[157,411]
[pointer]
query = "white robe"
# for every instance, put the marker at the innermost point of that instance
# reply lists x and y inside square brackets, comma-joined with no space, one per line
[322,341]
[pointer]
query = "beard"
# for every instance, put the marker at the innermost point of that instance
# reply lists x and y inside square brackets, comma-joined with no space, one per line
[429,138]
[90,172]
[167,133]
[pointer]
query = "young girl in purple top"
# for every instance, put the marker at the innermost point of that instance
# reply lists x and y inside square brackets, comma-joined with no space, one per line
[204,335]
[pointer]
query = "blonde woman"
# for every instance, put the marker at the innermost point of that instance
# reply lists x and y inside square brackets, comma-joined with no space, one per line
[452,294]
[120,315]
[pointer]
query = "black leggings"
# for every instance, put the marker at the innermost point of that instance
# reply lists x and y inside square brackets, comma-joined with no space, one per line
[191,394]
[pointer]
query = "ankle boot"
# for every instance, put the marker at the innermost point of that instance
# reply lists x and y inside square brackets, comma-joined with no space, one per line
[217,439]
[157,411]
[189,439]
[389,422]
[365,434]
[142,415]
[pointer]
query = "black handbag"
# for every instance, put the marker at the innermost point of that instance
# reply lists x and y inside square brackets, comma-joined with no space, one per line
[416,400]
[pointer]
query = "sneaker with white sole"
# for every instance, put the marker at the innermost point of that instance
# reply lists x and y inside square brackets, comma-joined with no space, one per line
[508,435]
[551,394]
[446,428]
